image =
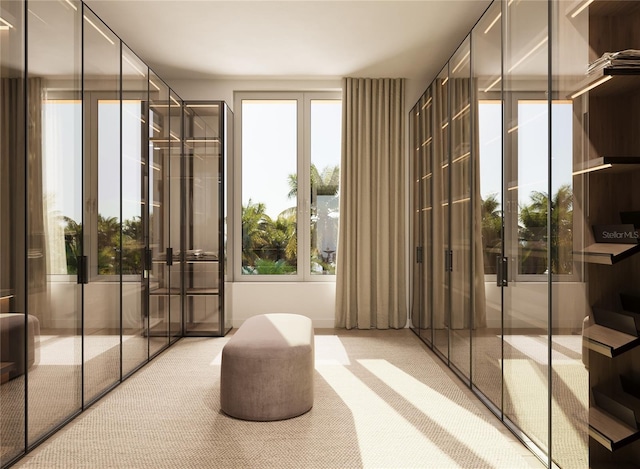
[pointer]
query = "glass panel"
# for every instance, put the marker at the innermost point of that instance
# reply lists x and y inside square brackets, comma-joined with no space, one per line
[102,229]
[54,189]
[326,142]
[441,212]
[570,379]
[487,81]
[159,215]
[134,198]
[12,235]
[269,187]
[427,146]
[228,150]
[175,213]
[460,207]
[203,235]
[415,138]
[526,200]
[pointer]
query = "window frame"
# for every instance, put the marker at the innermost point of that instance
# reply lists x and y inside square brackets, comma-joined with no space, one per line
[303,163]
[511,222]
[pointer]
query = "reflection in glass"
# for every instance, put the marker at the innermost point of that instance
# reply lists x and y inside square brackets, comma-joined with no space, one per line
[12,236]
[101,234]
[460,207]
[487,82]
[159,215]
[227,158]
[326,121]
[526,327]
[54,212]
[416,135]
[134,201]
[570,376]
[441,213]
[426,183]
[202,268]
[174,195]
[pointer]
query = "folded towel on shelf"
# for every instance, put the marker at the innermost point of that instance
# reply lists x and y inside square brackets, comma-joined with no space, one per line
[629,58]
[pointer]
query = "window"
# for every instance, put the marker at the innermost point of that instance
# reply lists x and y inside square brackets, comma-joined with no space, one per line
[290,147]
[527,196]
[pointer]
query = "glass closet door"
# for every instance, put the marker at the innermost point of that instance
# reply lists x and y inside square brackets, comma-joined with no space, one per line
[54,217]
[135,131]
[441,214]
[12,235]
[488,209]
[526,201]
[100,266]
[460,208]
[422,139]
[175,202]
[159,213]
[203,267]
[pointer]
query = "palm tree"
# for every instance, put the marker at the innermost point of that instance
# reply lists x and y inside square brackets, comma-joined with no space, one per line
[108,245]
[491,232]
[533,232]
[132,246]
[72,244]
[254,232]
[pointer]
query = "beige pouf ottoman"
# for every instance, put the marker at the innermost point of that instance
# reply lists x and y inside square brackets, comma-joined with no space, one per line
[267,368]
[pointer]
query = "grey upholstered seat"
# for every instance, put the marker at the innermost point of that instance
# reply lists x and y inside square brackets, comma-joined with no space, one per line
[267,368]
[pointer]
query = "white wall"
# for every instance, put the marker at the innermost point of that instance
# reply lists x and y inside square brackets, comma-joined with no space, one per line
[224,89]
[527,304]
[315,300]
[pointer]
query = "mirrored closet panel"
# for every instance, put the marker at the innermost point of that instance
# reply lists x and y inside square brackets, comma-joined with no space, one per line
[93,216]
[441,210]
[160,246]
[525,277]
[101,236]
[204,256]
[54,221]
[135,180]
[545,309]
[460,207]
[488,209]
[13,310]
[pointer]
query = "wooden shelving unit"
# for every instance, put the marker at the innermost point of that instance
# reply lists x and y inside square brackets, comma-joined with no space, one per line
[607,341]
[607,253]
[606,168]
[609,431]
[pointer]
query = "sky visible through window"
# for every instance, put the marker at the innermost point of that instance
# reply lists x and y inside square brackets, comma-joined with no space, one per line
[532,147]
[270,147]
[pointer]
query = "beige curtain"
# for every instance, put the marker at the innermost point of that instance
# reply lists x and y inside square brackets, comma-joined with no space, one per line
[12,169]
[371,270]
[457,215]
[36,234]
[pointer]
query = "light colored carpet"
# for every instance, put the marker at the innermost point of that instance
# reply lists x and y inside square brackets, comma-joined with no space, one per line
[381,401]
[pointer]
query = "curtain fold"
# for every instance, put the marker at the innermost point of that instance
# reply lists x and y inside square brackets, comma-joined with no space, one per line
[36,232]
[12,169]
[371,267]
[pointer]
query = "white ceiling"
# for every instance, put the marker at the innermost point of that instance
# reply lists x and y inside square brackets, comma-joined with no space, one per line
[296,39]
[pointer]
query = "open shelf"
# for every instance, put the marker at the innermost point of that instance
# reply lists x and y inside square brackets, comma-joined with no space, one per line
[607,341]
[613,415]
[165,291]
[609,163]
[607,253]
[608,81]
[202,291]
[609,431]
